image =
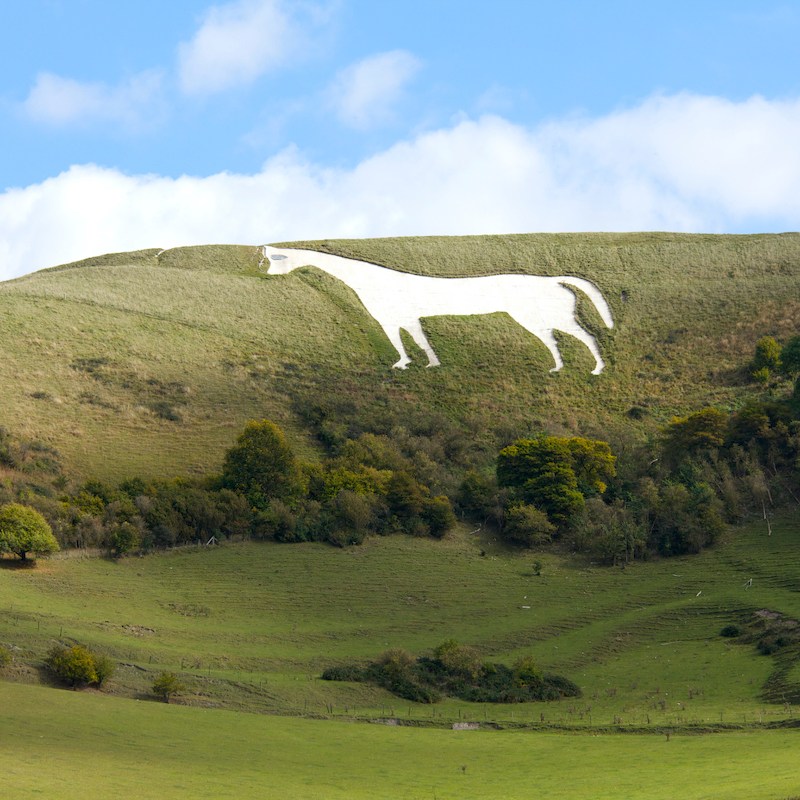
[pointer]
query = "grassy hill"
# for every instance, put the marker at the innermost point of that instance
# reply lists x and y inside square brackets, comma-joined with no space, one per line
[149,363]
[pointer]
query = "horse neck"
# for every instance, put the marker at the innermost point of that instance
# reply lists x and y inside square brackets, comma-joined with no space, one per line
[344,269]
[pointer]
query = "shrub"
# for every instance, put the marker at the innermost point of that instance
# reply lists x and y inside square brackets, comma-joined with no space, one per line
[767,356]
[167,685]
[458,658]
[74,666]
[528,526]
[122,539]
[731,631]
[790,357]
[5,656]
[348,672]
[438,513]
[104,667]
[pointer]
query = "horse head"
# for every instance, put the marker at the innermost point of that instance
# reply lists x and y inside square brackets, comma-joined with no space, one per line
[279,261]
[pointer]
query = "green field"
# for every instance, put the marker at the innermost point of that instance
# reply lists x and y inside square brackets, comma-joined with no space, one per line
[70,746]
[149,364]
[250,626]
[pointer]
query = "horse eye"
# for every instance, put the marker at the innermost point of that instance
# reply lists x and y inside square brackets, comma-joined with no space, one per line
[277,258]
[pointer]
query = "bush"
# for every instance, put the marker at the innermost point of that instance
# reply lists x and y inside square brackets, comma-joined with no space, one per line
[348,672]
[731,631]
[167,685]
[438,513]
[79,666]
[528,526]
[767,356]
[104,667]
[5,656]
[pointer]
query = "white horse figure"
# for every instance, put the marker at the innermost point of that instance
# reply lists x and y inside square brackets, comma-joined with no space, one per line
[398,300]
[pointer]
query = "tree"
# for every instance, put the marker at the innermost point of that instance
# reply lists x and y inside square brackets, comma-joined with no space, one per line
[167,685]
[790,357]
[438,513]
[706,429]
[555,473]
[261,465]
[123,538]
[24,530]
[767,358]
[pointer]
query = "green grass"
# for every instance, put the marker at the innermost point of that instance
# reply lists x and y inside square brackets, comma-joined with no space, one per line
[207,333]
[251,626]
[67,745]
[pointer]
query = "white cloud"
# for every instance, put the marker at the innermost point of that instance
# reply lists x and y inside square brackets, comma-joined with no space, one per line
[364,93]
[240,41]
[683,163]
[59,101]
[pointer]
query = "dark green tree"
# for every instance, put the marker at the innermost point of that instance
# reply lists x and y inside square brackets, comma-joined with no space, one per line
[261,465]
[790,357]
[555,473]
[702,430]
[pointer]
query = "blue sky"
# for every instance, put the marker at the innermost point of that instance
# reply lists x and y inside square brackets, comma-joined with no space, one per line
[152,124]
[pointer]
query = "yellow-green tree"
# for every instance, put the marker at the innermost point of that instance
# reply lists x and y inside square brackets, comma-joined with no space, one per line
[24,531]
[555,473]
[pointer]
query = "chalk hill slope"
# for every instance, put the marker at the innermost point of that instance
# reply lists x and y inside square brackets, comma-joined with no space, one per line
[149,363]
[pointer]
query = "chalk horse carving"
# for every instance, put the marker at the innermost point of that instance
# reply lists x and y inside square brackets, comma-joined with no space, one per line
[399,300]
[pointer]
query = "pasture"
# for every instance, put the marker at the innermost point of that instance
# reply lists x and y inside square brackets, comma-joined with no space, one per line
[250,626]
[71,746]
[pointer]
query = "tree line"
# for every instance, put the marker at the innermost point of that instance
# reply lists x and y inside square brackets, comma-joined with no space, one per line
[672,494]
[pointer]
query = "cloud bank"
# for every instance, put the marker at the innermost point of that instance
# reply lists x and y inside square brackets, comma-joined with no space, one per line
[683,163]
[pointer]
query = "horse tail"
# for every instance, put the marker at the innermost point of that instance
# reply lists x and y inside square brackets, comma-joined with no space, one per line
[593,294]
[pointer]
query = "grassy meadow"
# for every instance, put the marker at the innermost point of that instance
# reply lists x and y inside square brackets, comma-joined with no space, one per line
[72,746]
[149,363]
[249,627]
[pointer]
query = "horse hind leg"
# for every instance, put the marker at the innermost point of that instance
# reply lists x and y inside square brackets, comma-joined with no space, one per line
[547,338]
[589,340]
[418,335]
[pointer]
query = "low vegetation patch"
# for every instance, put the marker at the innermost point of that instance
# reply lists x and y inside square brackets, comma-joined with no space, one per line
[455,670]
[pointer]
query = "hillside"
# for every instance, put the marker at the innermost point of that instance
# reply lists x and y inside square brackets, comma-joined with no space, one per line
[251,626]
[149,363]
